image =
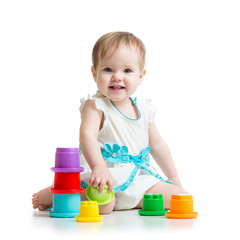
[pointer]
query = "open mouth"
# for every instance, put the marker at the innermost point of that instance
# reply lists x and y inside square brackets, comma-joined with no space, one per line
[117,87]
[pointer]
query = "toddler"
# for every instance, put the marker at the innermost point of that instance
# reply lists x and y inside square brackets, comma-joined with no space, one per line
[118,133]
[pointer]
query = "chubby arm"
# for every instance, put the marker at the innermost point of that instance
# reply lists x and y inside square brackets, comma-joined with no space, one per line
[90,125]
[162,155]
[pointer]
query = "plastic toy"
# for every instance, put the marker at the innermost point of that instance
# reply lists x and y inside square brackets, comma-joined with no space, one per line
[67,189]
[68,181]
[101,198]
[65,205]
[181,206]
[67,160]
[153,205]
[89,212]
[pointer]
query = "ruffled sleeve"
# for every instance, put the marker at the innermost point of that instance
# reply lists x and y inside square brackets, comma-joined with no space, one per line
[151,111]
[98,102]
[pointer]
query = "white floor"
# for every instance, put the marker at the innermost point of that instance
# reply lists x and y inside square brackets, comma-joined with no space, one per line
[32,223]
[117,223]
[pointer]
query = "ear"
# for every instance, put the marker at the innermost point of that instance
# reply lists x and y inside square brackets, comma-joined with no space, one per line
[93,73]
[141,76]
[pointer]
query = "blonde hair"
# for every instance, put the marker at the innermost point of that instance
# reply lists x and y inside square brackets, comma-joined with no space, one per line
[109,42]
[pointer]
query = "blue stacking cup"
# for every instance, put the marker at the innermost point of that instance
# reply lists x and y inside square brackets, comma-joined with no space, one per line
[65,205]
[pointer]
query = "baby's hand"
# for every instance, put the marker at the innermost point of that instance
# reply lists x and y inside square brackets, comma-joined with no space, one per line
[101,176]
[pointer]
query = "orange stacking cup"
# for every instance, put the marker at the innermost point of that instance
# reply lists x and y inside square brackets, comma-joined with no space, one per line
[181,206]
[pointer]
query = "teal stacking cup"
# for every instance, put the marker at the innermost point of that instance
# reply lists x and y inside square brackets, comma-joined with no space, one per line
[65,205]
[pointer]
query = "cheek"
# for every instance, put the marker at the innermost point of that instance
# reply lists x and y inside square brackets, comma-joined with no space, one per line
[139,82]
[102,83]
[132,85]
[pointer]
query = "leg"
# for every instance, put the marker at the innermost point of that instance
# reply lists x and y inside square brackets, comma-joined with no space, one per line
[103,209]
[42,199]
[166,190]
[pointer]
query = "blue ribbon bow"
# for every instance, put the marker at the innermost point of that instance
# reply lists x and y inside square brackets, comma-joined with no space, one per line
[117,154]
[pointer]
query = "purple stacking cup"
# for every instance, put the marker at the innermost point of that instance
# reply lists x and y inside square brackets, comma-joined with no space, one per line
[67,160]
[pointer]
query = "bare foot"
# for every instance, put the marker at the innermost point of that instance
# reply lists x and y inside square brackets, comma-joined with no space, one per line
[42,199]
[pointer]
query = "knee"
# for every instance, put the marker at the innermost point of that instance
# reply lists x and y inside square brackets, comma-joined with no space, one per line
[104,211]
[108,208]
[180,190]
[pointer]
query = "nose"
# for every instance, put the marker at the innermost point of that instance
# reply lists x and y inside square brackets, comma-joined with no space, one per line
[117,77]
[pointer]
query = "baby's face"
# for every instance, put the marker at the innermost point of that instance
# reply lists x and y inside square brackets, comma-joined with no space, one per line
[118,75]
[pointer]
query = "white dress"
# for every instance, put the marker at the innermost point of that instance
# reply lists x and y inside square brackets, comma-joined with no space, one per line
[124,145]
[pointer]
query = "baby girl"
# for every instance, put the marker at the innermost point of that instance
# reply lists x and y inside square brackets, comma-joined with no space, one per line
[118,133]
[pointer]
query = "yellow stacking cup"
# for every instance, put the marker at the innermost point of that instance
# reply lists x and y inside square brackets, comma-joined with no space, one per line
[89,212]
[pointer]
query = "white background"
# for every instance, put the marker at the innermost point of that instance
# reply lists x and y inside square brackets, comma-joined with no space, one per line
[193,59]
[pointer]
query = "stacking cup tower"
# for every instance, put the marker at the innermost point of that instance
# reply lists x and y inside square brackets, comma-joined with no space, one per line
[67,187]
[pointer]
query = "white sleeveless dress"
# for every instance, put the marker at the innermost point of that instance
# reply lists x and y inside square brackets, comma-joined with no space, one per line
[124,146]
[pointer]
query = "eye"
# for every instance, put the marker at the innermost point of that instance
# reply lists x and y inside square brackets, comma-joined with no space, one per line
[107,69]
[127,70]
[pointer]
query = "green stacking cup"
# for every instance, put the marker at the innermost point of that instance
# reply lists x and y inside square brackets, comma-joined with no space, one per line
[102,198]
[153,205]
